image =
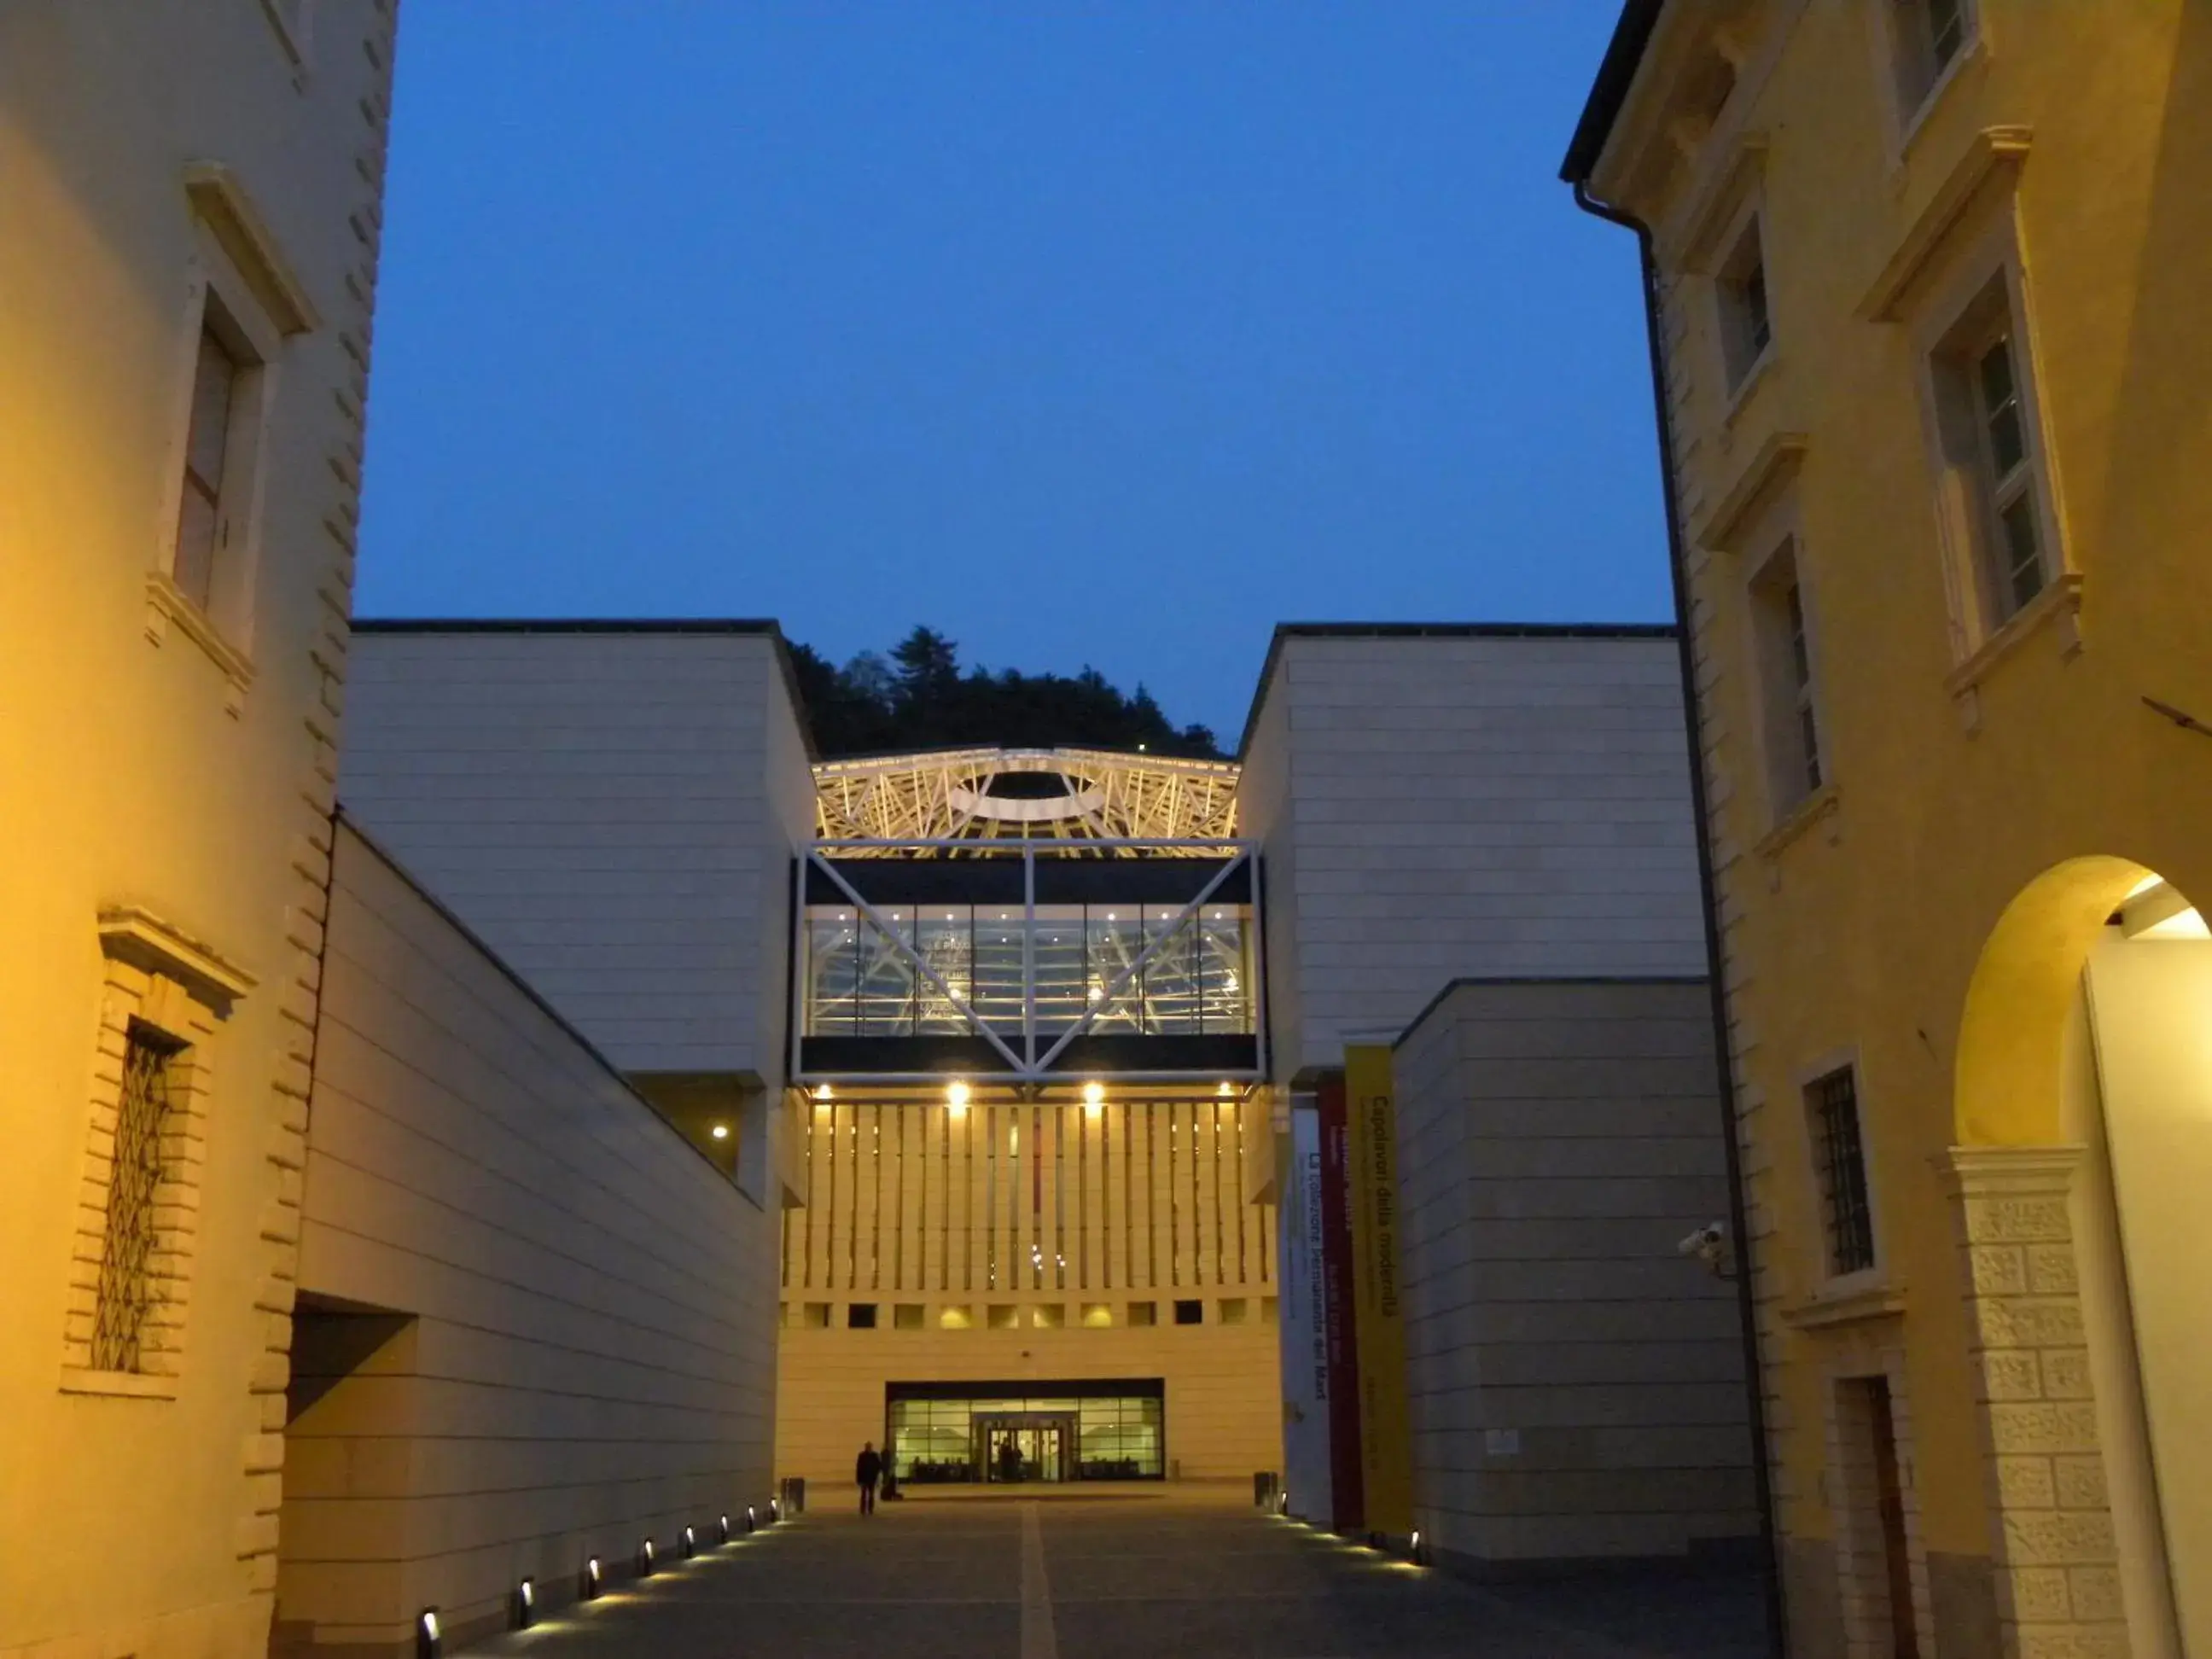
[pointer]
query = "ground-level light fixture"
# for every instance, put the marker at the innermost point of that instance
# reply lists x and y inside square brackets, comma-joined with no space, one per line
[429,1641]
[526,1603]
[1413,1550]
[723,1530]
[774,1509]
[691,1543]
[720,1132]
[751,1524]
[645,1558]
[589,1589]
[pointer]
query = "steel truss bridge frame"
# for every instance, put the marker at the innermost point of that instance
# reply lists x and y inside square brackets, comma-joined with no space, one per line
[1030,1060]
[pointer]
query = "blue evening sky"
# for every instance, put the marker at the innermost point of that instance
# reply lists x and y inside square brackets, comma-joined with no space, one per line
[1105,333]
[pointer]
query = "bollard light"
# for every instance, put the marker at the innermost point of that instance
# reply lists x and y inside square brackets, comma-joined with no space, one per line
[1415,1551]
[526,1604]
[588,1590]
[751,1525]
[429,1642]
[645,1559]
[724,1527]
[775,1509]
[691,1543]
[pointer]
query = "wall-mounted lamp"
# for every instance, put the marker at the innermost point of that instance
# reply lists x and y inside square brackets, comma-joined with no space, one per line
[429,1642]
[822,1091]
[956,1095]
[588,1589]
[526,1603]
[720,1132]
[645,1559]
[1094,1097]
[1225,1090]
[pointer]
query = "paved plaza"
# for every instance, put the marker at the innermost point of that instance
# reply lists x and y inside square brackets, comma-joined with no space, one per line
[1152,1577]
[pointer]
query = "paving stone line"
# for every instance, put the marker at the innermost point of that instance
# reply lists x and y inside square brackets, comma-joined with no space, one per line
[1037,1639]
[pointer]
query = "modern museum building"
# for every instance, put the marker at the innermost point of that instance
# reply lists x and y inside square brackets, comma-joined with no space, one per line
[1008,1049]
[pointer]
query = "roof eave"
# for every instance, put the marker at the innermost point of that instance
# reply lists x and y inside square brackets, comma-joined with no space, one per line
[1616,74]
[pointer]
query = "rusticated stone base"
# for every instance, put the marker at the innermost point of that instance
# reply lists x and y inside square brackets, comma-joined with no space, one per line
[1812,1594]
[2057,1573]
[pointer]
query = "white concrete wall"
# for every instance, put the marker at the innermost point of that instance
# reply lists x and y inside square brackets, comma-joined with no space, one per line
[587,1351]
[1464,803]
[614,810]
[1576,1385]
[2151,1003]
[1265,813]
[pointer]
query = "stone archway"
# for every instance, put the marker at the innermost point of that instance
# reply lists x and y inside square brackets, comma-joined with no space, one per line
[2016,1174]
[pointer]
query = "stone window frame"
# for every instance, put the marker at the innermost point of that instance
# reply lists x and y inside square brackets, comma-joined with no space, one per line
[155,977]
[1863,1281]
[1773,536]
[1743,359]
[1907,107]
[1986,302]
[1968,247]
[239,286]
[1862,1589]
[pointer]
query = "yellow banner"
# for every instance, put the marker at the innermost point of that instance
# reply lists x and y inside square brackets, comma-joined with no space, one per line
[1386,1446]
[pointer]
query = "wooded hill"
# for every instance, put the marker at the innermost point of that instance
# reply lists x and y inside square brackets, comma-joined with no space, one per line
[919,697]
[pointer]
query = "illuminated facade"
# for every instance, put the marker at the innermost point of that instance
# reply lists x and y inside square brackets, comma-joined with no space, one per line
[1921,282]
[482,1162]
[1057,1019]
[1028,1056]
[190,212]
[1085,794]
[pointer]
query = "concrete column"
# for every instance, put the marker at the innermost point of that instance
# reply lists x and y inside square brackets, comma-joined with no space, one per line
[2058,1591]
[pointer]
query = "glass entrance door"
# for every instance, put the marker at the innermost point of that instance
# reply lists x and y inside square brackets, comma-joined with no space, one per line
[1025,1447]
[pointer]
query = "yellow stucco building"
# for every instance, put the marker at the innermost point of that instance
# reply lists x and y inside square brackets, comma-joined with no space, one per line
[1932,379]
[189,230]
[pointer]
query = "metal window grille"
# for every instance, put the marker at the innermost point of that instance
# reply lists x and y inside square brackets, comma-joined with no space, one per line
[1850,1217]
[1800,665]
[126,1285]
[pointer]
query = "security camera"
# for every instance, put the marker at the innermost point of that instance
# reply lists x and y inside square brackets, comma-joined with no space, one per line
[1709,1245]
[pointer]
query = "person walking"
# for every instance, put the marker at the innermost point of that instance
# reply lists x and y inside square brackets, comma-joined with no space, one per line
[868,1469]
